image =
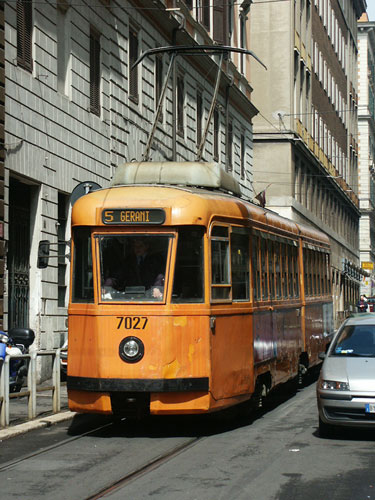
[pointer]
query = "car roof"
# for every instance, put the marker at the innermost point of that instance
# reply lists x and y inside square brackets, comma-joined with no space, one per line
[361,319]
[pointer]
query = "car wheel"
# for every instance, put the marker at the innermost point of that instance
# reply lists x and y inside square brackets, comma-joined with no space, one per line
[325,430]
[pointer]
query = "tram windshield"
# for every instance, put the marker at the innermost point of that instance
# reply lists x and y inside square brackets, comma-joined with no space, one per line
[133,267]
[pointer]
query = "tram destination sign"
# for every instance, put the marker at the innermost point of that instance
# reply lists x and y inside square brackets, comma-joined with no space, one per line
[133,216]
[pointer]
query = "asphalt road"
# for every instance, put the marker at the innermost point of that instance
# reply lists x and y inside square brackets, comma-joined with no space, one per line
[276,456]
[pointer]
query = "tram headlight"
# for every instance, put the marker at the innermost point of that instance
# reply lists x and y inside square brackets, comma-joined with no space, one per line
[131,349]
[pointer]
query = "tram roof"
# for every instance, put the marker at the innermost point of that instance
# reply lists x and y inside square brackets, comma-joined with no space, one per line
[186,206]
[187,173]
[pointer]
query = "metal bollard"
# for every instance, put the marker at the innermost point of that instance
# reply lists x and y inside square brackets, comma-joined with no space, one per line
[4,388]
[56,397]
[32,389]
[31,386]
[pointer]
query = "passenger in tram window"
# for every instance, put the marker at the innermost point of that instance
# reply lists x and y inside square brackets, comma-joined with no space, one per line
[143,267]
[140,268]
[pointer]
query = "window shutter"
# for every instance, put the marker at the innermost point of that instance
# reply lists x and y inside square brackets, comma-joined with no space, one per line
[133,72]
[24,34]
[94,72]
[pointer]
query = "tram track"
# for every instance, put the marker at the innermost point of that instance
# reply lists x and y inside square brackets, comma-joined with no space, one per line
[146,468]
[46,449]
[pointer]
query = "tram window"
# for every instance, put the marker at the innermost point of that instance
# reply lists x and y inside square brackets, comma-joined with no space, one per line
[256,266]
[290,270]
[263,256]
[306,271]
[320,276]
[314,258]
[240,266]
[312,271]
[321,272]
[83,288]
[327,274]
[278,270]
[133,267]
[220,232]
[309,273]
[296,271]
[188,275]
[284,270]
[271,267]
[220,263]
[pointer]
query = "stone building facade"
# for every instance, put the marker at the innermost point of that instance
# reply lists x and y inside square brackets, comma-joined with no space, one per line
[366,158]
[305,135]
[76,107]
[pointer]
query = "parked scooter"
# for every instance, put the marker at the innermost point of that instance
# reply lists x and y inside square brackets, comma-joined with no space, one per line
[15,343]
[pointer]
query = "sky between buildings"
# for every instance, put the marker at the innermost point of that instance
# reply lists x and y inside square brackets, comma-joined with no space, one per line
[371,9]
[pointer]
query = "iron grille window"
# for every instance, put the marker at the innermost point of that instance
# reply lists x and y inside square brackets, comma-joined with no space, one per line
[133,71]
[94,72]
[24,34]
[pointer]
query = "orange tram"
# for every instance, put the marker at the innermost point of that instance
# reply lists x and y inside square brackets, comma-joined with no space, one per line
[233,299]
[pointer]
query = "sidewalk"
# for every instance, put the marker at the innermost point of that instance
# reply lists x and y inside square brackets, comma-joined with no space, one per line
[18,414]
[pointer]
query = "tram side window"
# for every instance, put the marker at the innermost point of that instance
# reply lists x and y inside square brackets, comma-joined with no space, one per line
[278,270]
[318,273]
[313,272]
[83,288]
[321,272]
[290,270]
[256,266]
[220,263]
[296,271]
[271,266]
[240,265]
[306,271]
[284,267]
[327,274]
[263,256]
[188,276]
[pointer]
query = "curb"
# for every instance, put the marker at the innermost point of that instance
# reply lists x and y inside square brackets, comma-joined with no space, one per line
[35,424]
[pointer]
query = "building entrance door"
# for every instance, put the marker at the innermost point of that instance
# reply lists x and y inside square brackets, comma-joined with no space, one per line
[18,254]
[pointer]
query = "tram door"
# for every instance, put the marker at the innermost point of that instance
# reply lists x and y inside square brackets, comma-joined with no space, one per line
[18,254]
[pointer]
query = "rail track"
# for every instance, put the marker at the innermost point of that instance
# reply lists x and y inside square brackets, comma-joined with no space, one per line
[147,466]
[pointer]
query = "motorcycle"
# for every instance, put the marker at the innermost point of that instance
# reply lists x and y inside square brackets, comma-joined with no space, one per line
[15,343]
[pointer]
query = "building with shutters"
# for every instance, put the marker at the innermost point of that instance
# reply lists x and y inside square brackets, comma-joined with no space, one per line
[76,107]
[366,157]
[305,134]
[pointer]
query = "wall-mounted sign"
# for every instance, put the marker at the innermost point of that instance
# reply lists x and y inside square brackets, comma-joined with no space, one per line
[367,265]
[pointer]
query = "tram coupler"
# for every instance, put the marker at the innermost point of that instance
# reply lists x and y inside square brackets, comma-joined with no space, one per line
[130,405]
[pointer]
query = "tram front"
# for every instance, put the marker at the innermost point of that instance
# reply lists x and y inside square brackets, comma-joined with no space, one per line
[137,318]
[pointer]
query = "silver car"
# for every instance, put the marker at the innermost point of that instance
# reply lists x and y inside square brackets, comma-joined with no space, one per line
[346,385]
